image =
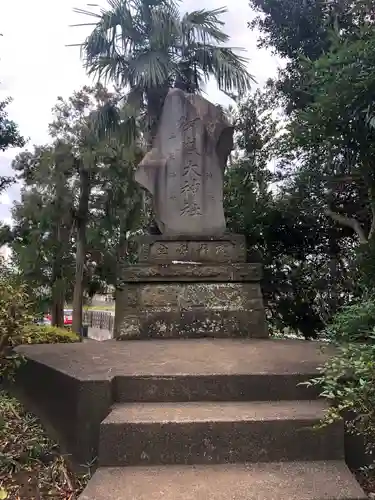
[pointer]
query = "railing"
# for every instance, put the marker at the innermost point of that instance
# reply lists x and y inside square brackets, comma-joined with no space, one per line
[99,319]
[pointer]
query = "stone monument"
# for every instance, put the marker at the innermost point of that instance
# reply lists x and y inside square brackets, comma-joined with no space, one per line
[192,280]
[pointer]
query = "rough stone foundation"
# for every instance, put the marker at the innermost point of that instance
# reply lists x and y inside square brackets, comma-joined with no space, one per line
[190,288]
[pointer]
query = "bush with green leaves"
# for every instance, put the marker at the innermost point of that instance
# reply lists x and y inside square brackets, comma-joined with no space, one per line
[354,323]
[16,322]
[348,380]
[44,334]
[15,315]
[348,377]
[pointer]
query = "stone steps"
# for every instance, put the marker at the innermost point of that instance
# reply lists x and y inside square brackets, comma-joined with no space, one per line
[216,419]
[330,480]
[208,433]
[213,370]
[200,387]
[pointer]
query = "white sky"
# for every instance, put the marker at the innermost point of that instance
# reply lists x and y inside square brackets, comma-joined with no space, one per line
[36,65]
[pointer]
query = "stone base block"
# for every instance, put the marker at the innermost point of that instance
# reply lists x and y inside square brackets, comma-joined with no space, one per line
[190,301]
[161,249]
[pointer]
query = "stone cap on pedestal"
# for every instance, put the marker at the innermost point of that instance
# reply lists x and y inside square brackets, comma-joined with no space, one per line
[159,249]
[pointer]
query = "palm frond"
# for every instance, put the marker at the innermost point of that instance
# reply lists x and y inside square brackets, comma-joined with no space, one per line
[151,69]
[114,31]
[204,26]
[111,69]
[87,13]
[165,28]
[109,121]
[95,45]
[229,68]
[121,18]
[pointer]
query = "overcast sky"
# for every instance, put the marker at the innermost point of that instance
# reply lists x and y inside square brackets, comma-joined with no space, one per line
[36,65]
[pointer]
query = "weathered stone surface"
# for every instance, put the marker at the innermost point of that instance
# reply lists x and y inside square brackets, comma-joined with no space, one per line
[184,169]
[328,480]
[200,287]
[190,272]
[163,249]
[217,432]
[196,323]
[148,388]
[155,296]
[190,310]
[71,406]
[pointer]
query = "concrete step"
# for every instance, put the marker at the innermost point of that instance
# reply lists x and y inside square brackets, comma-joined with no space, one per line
[212,370]
[264,481]
[209,433]
[215,387]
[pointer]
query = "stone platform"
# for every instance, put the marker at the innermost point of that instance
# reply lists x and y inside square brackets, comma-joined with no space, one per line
[190,418]
[73,386]
[201,287]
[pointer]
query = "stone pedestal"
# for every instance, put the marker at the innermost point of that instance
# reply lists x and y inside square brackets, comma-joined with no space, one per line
[189,289]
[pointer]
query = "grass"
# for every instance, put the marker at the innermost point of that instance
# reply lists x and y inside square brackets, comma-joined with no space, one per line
[31,466]
[95,308]
[99,308]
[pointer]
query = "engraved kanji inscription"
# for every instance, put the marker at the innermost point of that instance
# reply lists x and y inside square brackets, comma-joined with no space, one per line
[182,249]
[222,251]
[183,170]
[191,168]
[203,249]
[191,208]
[161,249]
[190,188]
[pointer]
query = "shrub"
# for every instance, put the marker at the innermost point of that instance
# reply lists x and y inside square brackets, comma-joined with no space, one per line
[354,323]
[43,334]
[16,325]
[348,380]
[15,314]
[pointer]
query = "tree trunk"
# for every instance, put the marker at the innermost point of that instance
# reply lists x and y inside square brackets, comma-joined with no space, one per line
[155,102]
[58,295]
[58,299]
[81,223]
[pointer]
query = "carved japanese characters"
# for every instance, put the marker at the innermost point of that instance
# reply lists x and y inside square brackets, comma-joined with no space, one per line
[184,169]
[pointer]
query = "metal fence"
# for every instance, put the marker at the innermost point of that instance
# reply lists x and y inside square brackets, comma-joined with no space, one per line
[99,319]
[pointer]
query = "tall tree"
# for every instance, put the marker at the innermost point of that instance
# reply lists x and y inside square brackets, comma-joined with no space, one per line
[305,255]
[328,139]
[337,134]
[79,203]
[9,137]
[304,30]
[43,225]
[94,155]
[9,133]
[74,125]
[146,47]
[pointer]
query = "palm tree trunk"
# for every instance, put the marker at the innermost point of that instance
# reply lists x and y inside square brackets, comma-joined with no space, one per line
[81,224]
[155,101]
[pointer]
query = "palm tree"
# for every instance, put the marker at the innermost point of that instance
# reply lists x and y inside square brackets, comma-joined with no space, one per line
[146,47]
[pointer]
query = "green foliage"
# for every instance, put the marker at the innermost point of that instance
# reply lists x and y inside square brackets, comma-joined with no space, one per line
[15,314]
[306,274]
[9,134]
[347,380]
[304,31]
[354,323]
[79,197]
[160,49]
[44,334]
[327,88]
